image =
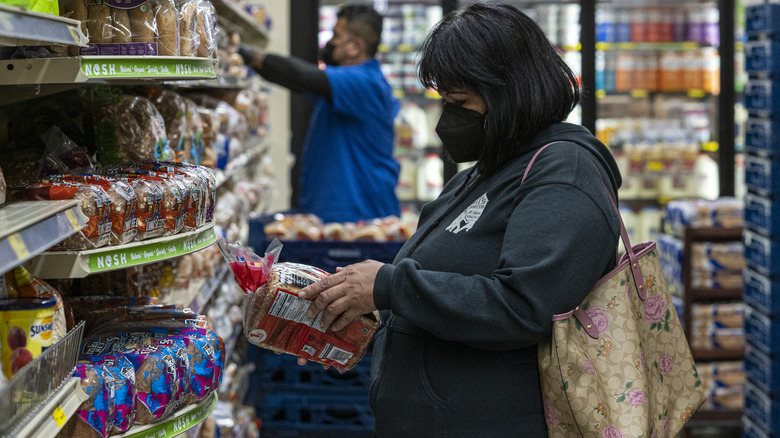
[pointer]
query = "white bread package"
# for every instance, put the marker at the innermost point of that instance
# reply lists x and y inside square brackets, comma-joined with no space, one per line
[275,317]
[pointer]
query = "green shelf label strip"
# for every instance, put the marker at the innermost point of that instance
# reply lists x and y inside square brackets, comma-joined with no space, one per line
[147,67]
[126,257]
[179,423]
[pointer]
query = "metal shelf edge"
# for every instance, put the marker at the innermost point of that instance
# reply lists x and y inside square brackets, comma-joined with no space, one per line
[28,28]
[55,413]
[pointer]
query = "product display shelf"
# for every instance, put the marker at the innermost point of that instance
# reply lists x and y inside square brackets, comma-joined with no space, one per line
[207,290]
[239,163]
[101,69]
[231,16]
[686,45]
[180,422]
[31,227]
[702,418]
[42,396]
[28,28]
[79,264]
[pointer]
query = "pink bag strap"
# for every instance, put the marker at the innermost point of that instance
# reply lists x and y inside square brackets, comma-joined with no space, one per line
[639,283]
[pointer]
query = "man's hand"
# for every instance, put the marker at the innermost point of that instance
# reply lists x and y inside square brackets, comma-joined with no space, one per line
[253,55]
[344,295]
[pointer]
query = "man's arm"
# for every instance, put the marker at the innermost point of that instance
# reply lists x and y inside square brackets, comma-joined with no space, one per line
[290,72]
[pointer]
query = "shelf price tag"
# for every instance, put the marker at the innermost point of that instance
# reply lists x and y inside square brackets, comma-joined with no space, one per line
[74,221]
[17,244]
[696,93]
[59,416]
[639,93]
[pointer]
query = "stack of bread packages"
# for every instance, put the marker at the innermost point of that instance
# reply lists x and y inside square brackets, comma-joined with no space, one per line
[275,316]
[140,362]
[143,27]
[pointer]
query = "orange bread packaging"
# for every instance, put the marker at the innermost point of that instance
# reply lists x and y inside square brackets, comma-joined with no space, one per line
[275,317]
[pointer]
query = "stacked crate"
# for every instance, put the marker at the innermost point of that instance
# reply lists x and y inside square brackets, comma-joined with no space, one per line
[762,217]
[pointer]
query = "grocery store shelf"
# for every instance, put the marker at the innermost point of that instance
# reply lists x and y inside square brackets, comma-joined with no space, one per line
[180,422]
[31,227]
[221,82]
[97,69]
[713,354]
[56,412]
[716,293]
[715,418]
[231,16]
[26,28]
[79,264]
[207,290]
[642,94]
[239,163]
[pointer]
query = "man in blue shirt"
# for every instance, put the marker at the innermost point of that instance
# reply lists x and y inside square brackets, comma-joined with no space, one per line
[348,172]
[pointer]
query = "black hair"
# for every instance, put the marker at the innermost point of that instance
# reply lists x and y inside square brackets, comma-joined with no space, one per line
[502,55]
[364,22]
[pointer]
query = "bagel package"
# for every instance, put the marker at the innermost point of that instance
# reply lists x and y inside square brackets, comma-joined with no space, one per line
[275,317]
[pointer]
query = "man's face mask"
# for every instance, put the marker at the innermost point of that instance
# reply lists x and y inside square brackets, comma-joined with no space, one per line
[462,131]
[326,54]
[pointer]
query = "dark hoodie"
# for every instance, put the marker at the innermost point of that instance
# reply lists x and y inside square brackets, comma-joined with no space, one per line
[472,293]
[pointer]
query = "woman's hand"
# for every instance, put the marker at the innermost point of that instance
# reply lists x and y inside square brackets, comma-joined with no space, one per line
[344,295]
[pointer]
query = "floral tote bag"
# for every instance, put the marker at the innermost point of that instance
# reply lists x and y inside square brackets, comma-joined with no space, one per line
[619,364]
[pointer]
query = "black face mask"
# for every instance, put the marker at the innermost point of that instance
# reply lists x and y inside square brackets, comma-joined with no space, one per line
[462,131]
[326,54]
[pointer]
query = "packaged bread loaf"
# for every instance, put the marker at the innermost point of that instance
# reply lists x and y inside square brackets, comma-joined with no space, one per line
[99,22]
[123,33]
[130,128]
[94,416]
[206,29]
[166,18]
[188,27]
[155,373]
[124,225]
[75,10]
[142,24]
[95,203]
[275,319]
[173,110]
[124,392]
[149,195]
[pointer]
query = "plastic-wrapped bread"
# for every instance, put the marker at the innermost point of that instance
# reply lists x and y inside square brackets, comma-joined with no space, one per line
[130,128]
[174,111]
[206,29]
[94,416]
[148,210]
[275,319]
[166,18]
[188,24]
[76,10]
[121,26]
[99,23]
[95,203]
[142,24]
[124,393]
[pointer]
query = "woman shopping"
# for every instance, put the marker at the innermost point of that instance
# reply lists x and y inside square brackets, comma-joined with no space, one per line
[472,293]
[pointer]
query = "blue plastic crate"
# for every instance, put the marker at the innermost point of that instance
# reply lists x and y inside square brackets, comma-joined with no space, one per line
[762,331]
[761,408]
[299,415]
[761,292]
[751,430]
[762,56]
[281,373]
[762,176]
[762,215]
[762,369]
[762,254]
[762,136]
[762,96]
[762,18]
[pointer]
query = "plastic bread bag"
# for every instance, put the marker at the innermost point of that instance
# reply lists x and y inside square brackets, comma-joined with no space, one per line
[63,155]
[94,416]
[249,270]
[157,383]
[206,30]
[149,196]
[275,317]
[194,145]
[124,393]
[124,224]
[210,130]
[192,179]
[173,110]
[129,128]
[95,203]
[188,27]
[75,10]
[174,198]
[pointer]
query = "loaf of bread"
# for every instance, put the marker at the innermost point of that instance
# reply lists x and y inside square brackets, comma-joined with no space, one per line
[122,33]
[188,28]
[142,24]
[124,393]
[99,23]
[206,29]
[94,416]
[167,37]
[75,10]
[275,319]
